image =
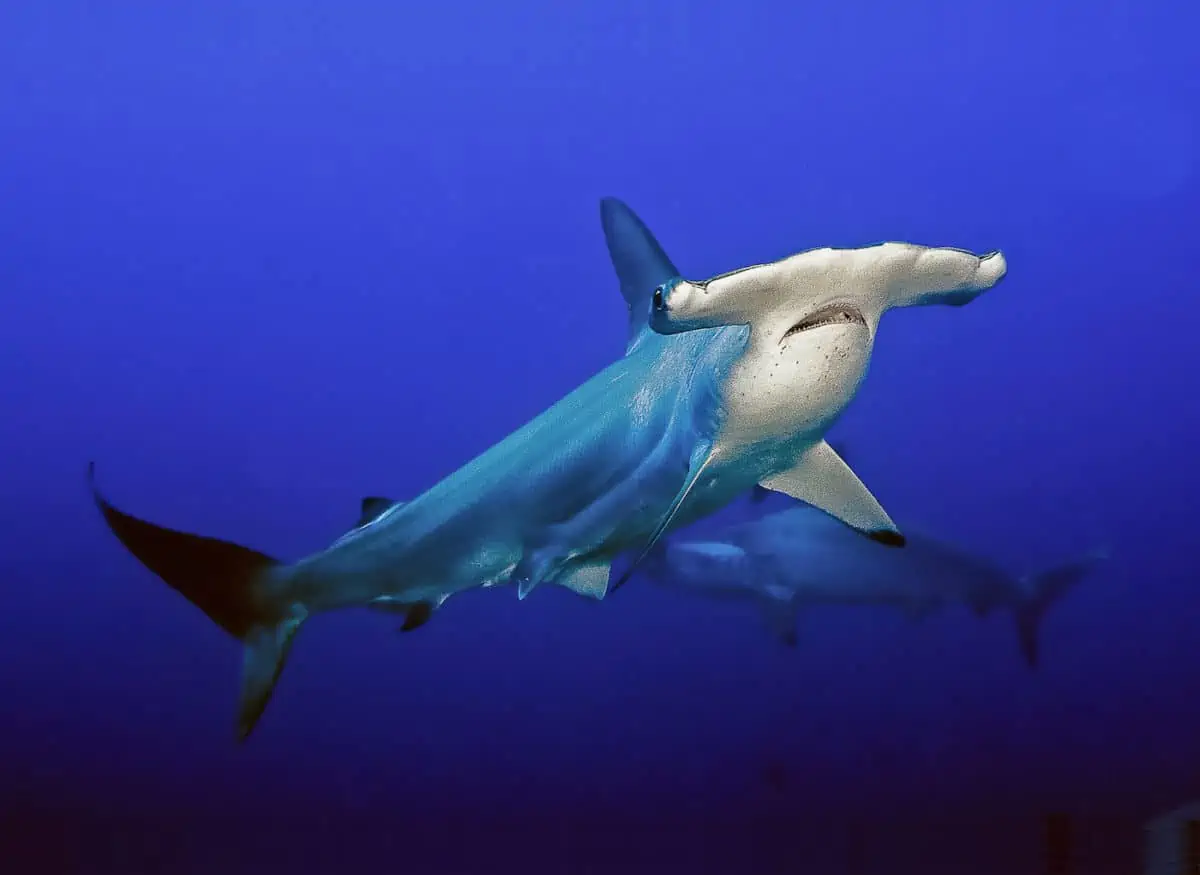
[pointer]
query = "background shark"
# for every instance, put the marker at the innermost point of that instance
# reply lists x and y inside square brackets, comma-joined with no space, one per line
[801,557]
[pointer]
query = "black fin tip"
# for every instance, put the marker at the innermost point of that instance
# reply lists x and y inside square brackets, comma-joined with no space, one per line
[887,537]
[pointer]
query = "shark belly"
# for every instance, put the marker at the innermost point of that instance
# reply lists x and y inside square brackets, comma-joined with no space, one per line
[785,399]
[766,425]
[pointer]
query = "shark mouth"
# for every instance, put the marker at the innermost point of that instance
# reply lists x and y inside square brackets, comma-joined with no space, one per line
[833,314]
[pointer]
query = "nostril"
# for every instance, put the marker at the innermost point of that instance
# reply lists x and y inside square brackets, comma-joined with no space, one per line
[658,298]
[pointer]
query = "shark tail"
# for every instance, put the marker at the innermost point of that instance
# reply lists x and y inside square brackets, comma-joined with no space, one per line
[1041,591]
[225,581]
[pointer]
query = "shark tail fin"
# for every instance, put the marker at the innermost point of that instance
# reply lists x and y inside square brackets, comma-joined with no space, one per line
[223,580]
[1044,589]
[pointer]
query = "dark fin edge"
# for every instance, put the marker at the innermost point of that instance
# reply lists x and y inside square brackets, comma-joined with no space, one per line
[220,578]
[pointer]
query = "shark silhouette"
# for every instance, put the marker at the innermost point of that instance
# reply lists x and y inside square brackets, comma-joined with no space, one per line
[609,467]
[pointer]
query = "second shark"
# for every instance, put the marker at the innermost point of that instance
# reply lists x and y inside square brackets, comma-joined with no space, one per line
[799,558]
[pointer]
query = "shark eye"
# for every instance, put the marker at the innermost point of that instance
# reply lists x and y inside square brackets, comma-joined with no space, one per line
[659,296]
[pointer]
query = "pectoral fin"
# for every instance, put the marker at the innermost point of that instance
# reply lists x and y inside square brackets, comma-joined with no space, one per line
[823,480]
[699,461]
[535,567]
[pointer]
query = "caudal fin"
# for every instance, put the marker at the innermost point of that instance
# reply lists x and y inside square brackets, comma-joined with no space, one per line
[1041,591]
[223,580]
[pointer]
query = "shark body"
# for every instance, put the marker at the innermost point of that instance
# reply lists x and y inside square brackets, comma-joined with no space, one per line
[554,501]
[608,468]
[798,558]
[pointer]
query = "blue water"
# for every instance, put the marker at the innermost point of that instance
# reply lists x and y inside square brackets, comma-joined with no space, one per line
[260,260]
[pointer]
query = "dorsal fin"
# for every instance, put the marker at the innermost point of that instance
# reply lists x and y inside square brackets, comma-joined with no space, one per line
[639,260]
[373,506]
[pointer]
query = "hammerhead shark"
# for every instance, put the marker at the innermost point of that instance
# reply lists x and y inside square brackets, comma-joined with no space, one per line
[794,559]
[813,319]
[605,469]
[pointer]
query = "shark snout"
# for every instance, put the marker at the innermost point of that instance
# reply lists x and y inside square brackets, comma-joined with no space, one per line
[992,268]
[942,275]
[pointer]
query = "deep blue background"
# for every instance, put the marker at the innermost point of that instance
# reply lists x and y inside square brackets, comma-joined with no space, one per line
[259,260]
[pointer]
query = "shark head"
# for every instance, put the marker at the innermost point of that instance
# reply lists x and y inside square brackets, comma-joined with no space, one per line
[813,319]
[826,287]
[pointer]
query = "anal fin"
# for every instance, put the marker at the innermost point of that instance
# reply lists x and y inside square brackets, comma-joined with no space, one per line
[823,480]
[416,614]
